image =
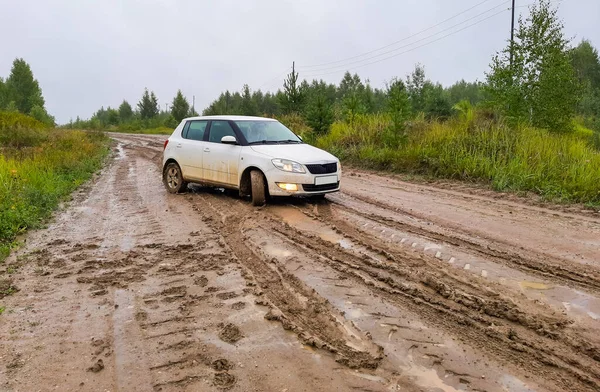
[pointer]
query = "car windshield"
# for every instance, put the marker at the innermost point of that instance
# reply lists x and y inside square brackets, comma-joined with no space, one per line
[267,132]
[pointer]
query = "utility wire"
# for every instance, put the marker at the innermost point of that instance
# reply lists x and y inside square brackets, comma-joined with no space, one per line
[406,38]
[409,50]
[276,78]
[409,44]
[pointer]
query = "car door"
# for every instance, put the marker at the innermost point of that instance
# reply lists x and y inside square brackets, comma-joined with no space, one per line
[192,146]
[220,161]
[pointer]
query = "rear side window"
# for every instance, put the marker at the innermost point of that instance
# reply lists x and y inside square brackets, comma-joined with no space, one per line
[218,129]
[195,130]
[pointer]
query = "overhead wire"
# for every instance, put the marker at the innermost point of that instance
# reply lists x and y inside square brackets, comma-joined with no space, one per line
[300,66]
[409,44]
[406,51]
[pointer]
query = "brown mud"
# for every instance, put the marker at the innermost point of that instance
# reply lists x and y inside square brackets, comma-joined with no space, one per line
[388,285]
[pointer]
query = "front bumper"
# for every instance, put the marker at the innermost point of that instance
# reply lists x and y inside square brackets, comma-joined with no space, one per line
[306,183]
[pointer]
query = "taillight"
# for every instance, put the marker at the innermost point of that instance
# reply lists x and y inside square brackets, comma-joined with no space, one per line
[165,146]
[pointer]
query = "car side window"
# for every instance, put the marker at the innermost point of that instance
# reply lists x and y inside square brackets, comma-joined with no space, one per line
[186,126]
[196,130]
[218,129]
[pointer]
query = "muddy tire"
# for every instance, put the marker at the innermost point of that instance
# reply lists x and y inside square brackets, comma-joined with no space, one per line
[173,178]
[259,194]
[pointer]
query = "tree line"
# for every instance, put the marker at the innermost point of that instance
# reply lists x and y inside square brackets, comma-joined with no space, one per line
[146,114]
[21,92]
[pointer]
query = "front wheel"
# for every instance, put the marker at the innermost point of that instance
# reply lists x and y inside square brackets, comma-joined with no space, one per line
[259,197]
[173,178]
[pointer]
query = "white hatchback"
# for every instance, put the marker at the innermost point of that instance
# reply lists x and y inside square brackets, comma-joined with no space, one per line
[258,156]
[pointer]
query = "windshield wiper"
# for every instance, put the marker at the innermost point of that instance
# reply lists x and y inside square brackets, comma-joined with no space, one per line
[289,141]
[262,142]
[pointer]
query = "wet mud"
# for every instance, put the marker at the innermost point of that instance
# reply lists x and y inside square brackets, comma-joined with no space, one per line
[385,286]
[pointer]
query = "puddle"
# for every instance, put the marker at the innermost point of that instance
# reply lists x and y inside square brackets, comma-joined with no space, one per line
[588,306]
[297,219]
[276,252]
[120,152]
[513,384]
[369,377]
[534,285]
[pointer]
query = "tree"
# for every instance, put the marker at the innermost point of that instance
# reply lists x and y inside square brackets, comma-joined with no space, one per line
[3,97]
[319,114]
[437,102]
[399,105]
[112,116]
[586,63]
[248,106]
[23,88]
[148,105]
[40,114]
[415,85]
[540,86]
[463,90]
[180,107]
[292,98]
[125,111]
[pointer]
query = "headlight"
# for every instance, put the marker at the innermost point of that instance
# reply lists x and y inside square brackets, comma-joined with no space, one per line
[288,166]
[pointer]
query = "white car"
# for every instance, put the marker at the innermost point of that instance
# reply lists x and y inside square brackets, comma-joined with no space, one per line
[258,156]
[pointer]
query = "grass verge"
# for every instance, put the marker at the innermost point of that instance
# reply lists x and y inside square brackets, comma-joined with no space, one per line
[559,167]
[39,168]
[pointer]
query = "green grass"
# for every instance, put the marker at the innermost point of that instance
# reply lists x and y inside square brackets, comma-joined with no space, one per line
[39,168]
[559,167]
[2,309]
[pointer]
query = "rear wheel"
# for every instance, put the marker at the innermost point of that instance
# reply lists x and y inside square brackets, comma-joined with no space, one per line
[259,196]
[173,178]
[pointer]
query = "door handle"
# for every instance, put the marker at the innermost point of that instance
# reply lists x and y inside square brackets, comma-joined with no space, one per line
[178,145]
[206,149]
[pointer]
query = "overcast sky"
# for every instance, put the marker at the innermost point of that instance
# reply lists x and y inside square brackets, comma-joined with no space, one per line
[88,54]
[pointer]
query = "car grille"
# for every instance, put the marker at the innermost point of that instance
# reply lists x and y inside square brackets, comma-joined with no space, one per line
[319,188]
[325,168]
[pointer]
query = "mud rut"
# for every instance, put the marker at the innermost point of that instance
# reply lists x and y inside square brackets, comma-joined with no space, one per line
[134,289]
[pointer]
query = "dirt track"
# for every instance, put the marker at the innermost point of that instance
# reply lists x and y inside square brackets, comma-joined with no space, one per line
[385,286]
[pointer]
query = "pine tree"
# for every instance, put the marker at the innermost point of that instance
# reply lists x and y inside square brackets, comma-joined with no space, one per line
[180,107]
[399,105]
[319,114]
[148,105]
[22,88]
[249,107]
[292,98]
[125,112]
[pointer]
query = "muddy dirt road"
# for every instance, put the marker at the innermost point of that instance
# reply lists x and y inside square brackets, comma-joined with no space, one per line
[386,286]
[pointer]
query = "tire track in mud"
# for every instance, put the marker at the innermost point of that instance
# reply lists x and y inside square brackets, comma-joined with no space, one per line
[516,334]
[297,307]
[538,264]
[531,337]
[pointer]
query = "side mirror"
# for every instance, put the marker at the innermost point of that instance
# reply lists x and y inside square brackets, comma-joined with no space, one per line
[228,140]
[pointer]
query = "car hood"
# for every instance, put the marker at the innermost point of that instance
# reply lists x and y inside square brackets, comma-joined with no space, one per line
[301,153]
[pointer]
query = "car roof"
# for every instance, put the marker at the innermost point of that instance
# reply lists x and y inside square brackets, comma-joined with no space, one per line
[233,118]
